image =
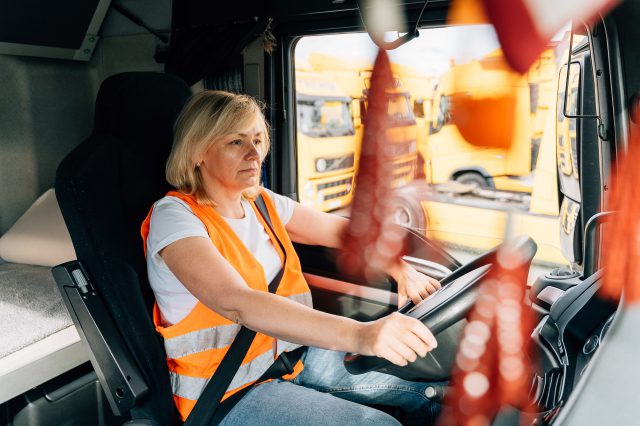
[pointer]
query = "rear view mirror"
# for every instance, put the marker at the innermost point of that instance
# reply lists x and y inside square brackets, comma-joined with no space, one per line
[356,112]
[565,123]
[418,108]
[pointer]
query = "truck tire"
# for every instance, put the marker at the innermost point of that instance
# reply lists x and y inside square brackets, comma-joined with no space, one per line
[473,177]
[408,212]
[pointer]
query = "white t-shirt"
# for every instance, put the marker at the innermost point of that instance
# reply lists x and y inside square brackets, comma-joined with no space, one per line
[172,219]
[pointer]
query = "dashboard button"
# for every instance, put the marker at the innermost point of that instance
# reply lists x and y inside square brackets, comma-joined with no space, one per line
[590,345]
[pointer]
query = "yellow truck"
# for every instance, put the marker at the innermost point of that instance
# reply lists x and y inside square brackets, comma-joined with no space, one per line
[354,77]
[327,144]
[451,157]
[475,217]
[420,87]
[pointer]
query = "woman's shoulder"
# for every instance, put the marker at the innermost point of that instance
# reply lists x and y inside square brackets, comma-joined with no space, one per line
[169,202]
[172,213]
[284,205]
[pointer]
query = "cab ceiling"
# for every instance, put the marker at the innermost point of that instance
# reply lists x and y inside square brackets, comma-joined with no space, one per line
[204,12]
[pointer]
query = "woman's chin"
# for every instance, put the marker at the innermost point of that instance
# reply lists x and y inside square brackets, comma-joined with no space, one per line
[248,184]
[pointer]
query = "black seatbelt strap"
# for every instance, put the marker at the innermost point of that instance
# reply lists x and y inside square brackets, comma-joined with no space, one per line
[276,370]
[214,390]
[262,208]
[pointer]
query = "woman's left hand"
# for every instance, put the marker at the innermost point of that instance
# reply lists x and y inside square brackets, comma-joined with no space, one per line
[413,284]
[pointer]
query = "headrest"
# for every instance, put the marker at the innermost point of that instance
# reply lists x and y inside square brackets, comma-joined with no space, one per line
[140,106]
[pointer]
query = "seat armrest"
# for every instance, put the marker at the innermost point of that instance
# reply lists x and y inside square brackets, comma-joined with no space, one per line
[121,380]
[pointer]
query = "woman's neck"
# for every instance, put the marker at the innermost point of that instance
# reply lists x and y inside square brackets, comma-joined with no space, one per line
[228,204]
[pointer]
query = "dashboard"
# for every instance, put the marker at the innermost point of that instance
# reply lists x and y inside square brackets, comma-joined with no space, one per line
[565,340]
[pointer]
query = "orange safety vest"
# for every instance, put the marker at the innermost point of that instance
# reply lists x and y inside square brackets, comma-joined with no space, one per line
[196,345]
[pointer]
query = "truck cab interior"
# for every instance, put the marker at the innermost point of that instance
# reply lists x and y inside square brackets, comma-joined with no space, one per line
[90,93]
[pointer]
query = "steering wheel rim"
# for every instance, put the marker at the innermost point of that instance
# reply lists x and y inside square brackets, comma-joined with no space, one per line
[449,304]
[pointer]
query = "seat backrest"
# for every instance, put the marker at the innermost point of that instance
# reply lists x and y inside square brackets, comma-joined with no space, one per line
[105,188]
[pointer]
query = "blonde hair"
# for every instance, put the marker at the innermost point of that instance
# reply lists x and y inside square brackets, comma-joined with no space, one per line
[208,116]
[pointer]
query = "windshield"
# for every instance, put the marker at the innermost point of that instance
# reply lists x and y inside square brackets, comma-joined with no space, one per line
[324,118]
[399,109]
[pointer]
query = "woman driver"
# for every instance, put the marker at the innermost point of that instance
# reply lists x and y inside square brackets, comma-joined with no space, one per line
[210,258]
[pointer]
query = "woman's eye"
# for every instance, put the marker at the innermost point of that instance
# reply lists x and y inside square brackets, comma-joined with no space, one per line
[236,142]
[257,141]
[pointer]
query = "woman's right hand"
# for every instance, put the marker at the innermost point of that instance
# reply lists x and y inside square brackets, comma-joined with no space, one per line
[397,338]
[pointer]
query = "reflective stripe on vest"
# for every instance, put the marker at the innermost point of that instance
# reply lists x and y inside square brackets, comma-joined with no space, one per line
[191,387]
[214,337]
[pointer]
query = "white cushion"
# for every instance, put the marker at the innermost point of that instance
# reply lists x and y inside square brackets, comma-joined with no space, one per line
[40,236]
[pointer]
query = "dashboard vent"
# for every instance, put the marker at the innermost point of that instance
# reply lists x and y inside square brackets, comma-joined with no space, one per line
[546,391]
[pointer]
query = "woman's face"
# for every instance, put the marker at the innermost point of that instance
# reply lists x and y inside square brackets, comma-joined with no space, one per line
[233,161]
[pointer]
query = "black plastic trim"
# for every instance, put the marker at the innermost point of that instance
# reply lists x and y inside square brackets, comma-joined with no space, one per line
[120,378]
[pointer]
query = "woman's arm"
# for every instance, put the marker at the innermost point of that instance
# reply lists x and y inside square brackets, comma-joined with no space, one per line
[309,226]
[211,279]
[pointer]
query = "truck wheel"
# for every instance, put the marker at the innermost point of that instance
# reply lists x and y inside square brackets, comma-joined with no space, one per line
[472,177]
[408,212]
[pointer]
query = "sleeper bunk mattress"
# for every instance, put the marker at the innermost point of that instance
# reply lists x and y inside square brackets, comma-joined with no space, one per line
[31,307]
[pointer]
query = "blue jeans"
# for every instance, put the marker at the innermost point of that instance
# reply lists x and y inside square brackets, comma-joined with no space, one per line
[325,393]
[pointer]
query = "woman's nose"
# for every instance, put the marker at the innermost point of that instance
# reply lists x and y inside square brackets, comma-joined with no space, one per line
[253,152]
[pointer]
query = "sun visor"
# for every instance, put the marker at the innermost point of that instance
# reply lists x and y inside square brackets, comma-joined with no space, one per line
[62,29]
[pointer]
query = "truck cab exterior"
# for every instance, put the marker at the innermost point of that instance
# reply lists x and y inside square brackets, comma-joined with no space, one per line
[327,144]
[354,77]
[500,165]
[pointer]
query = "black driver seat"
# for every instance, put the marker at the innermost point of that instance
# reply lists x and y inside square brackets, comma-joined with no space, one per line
[105,188]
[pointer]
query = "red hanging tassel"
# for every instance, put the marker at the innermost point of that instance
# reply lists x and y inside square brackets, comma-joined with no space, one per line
[372,243]
[492,366]
[621,248]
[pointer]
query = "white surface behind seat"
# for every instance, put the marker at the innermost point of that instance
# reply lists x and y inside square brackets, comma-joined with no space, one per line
[39,236]
[39,362]
[39,342]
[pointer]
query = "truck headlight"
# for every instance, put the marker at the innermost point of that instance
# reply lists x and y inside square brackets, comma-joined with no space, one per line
[321,164]
[309,189]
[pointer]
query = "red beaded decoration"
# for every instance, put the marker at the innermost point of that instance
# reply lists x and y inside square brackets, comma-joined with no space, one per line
[372,243]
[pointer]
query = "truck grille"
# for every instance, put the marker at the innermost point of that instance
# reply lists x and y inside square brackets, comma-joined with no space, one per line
[342,182]
[405,169]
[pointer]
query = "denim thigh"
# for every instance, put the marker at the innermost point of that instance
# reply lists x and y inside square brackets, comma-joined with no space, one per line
[284,403]
[324,371]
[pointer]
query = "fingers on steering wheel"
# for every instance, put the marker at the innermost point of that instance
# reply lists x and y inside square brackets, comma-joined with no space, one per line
[424,334]
[395,356]
[405,351]
[424,292]
[435,283]
[419,347]
[432,286]
[414,295]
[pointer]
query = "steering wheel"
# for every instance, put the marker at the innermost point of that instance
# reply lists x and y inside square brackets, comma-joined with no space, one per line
[440,311]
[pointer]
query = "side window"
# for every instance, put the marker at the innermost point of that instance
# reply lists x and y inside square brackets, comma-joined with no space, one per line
[443,110]
[471,190]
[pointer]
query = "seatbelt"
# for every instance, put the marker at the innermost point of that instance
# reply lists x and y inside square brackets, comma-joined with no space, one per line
[214,390]
[277,370]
